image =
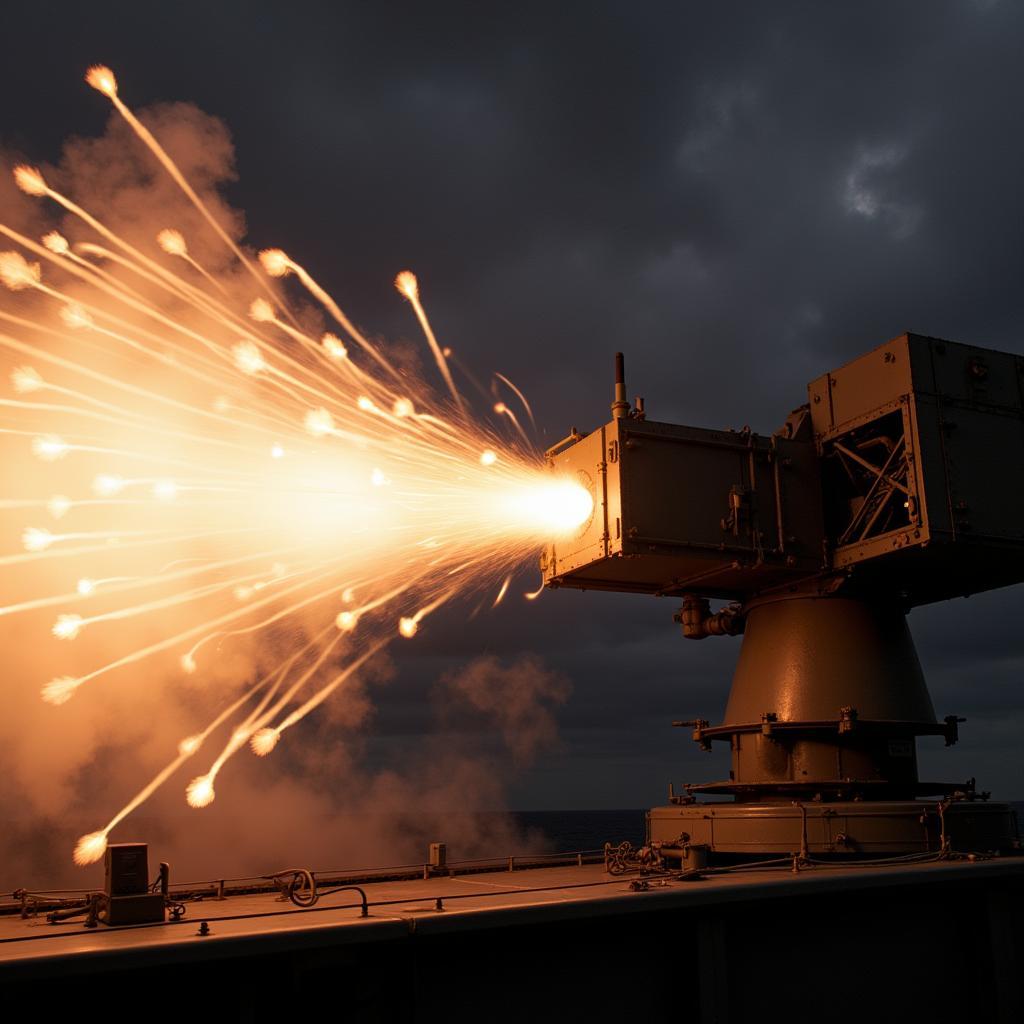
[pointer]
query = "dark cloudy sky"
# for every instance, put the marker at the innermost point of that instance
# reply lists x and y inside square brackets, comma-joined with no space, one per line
[740,196]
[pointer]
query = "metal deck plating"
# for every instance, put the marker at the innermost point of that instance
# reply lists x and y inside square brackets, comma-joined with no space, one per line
[563,941]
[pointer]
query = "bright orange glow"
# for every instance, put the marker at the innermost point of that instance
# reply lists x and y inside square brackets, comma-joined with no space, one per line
[346,621]
[26,379]
[263,741]
[275,262]
[102,79]
[199,792]
[60,690]
[172,242]
[35,539]
[407,284]
[58,506]
[29,180]
[17,273]
[74,316]
[248,357]
[189,745]
[56,243]
[49,448]
[90,848]
[237,488]
[67,626]
[333,346]
[261,311]
[319,422]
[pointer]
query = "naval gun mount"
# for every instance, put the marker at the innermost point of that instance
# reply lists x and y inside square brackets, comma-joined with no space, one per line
[899,483]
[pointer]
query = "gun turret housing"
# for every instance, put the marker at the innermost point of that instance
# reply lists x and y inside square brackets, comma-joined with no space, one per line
[900,482]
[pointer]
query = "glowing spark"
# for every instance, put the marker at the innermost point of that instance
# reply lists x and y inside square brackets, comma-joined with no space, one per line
[263,741]
[49,448]
[90,848]
[518,394]
[60,690]
[158,386]
[102,79]
[165,490]
[407,284]
[503,410]
[107,484]
[67,627]
[29,180]
[248,357]
[56,243]
[58,506]
[17,273]
[26,379]
[534,594]
[35,539]
[275,262]
[199,791]
[261,311]
[333,346]
[190,744]
[319,422]
[172,242]
[502,592]
[74,316]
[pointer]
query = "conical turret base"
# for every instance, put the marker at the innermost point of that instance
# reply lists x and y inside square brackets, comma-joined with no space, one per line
[826,704]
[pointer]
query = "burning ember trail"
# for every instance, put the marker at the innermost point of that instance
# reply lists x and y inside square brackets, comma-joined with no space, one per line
[221,471]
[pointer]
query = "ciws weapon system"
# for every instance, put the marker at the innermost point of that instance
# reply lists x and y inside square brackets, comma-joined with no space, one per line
[899,483]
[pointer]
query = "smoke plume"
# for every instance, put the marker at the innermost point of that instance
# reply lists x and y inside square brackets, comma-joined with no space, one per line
[64,770]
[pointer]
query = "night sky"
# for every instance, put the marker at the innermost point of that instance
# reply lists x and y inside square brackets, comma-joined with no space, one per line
[739,196]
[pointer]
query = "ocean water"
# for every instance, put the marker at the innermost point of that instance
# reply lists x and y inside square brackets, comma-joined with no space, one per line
[569,831]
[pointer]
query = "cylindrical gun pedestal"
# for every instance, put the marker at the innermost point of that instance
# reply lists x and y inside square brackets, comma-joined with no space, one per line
[826,704]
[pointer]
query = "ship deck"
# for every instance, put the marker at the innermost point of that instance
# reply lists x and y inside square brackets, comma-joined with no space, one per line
[443,903]
[568,941]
